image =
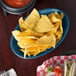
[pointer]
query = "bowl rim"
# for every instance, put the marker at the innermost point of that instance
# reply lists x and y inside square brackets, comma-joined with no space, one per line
[15,9]
[48,51]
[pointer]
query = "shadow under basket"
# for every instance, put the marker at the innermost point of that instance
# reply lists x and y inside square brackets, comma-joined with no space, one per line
[17,11]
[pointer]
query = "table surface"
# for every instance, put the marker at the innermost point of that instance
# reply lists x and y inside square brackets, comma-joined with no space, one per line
[25,67]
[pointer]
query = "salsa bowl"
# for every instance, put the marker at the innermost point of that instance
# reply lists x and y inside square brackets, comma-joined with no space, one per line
[15,10]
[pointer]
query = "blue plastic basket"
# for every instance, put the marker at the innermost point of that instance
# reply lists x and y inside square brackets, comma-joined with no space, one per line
[65,23]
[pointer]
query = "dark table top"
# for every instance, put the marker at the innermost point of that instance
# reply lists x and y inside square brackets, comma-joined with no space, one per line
[25,67]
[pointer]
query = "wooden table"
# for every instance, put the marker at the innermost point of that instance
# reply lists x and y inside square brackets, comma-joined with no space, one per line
[25,67]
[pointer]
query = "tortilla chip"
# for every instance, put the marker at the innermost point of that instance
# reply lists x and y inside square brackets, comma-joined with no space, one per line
[53,18]
[29,54]
[44,25]
[58,34]
[22,50]
[32,19]
[15,33]
[57,15]
[53,40]
[21,22]
[47,40]
[51,32]
[30,32]
[26,42]
[61,16]
[36,50]
[50,15]
[58,26]
[61,28]
[25,53]
[21,36]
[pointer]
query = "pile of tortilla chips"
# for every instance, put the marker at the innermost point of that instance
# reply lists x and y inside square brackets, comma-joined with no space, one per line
[38,33]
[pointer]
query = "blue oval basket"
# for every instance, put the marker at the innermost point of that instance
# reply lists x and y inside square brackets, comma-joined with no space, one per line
[65,23]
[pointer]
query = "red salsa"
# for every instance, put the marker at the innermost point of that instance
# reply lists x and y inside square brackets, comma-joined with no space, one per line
[17,3]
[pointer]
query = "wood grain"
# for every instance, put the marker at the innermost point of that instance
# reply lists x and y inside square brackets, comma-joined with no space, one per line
[28,67]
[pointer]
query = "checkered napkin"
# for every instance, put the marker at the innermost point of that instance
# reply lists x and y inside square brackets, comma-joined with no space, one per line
[54,60]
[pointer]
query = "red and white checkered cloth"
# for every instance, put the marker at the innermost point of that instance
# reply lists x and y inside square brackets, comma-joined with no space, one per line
[54,60]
